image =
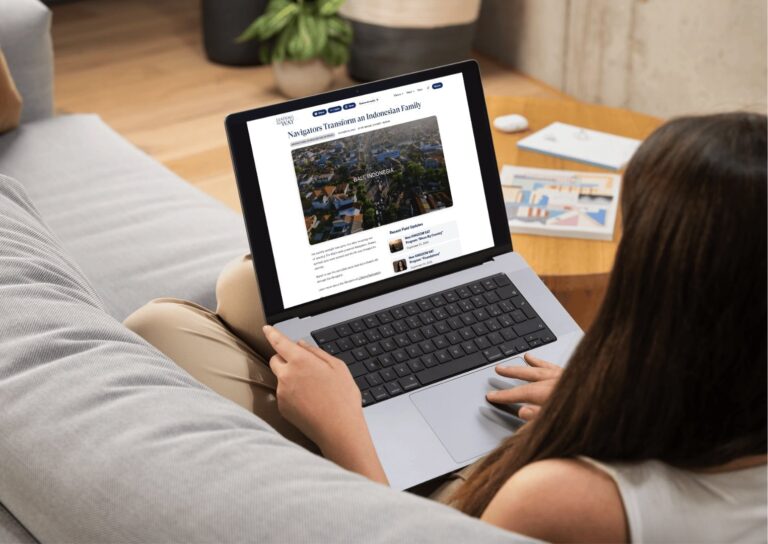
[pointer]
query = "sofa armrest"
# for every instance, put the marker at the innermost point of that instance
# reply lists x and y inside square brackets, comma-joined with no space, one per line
[25,39]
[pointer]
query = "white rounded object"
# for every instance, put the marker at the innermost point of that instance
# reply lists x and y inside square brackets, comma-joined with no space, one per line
[511,123]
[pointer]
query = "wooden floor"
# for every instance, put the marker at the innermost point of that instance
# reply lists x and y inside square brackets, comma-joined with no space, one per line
[140,65]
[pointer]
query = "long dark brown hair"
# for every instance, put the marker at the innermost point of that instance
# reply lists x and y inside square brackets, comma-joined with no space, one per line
[674,366]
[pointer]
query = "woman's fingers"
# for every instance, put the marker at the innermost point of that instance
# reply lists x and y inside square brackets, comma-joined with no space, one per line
[541,363]
[326,357]
[527,373]
[277,365]
[284,346]
[529,412]
[532,393]
[542,376]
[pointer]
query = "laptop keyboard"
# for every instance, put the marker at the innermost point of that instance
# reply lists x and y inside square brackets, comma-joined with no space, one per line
[428,339]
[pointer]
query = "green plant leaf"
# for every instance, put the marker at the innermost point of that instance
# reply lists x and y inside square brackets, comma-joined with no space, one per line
[335,53]
[320,31]
[280,51]
[340,29]
[253,32]
[300,44]
[275,5]
[272,22]
[328,7]
[265,53]
[317,33]
[280,19]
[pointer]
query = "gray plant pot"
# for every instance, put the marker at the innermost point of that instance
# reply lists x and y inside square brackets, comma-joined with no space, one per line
[225,20]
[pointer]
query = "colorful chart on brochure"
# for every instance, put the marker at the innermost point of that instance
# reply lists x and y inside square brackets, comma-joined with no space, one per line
[560,202]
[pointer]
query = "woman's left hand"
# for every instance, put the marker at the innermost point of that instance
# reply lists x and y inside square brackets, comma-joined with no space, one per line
[316,392]
[542,377]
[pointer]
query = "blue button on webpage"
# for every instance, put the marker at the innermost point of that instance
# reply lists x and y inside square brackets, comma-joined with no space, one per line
[437,85]
[318,113]
[334,109]
[349,105]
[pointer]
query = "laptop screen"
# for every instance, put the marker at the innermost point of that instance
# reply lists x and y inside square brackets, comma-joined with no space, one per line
[360,190]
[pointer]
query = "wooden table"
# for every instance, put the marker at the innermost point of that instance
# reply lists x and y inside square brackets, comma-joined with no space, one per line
[575,270]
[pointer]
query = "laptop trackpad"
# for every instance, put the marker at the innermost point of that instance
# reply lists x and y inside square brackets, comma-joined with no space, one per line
[466,424]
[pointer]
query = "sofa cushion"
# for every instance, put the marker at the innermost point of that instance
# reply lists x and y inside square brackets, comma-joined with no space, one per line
[26,41]
[103,439]
[137,230]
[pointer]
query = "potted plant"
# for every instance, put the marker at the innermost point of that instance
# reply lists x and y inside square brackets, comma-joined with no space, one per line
[303,40]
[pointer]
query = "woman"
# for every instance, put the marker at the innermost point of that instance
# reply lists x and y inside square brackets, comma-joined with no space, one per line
[656,430]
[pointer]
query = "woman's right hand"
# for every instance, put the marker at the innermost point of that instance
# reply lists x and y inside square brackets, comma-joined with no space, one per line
[543,377]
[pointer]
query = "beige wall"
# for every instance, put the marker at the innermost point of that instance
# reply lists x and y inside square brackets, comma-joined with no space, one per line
[663,57]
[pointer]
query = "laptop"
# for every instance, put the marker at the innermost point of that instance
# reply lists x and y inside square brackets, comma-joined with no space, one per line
[378,230]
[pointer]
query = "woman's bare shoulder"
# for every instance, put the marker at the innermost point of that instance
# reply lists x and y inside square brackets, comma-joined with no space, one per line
[560,500]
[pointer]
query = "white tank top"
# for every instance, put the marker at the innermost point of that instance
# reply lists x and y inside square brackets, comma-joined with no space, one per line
[667,504]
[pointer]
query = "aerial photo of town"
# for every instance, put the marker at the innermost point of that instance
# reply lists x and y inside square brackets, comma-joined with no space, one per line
[371,179]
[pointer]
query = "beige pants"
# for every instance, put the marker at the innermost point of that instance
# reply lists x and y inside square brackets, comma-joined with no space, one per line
[227,351]
[10,99]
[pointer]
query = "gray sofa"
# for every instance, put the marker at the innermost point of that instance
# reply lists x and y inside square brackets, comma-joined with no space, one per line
[102,438]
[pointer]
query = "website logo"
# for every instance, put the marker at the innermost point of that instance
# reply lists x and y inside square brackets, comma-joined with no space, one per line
[284,120]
